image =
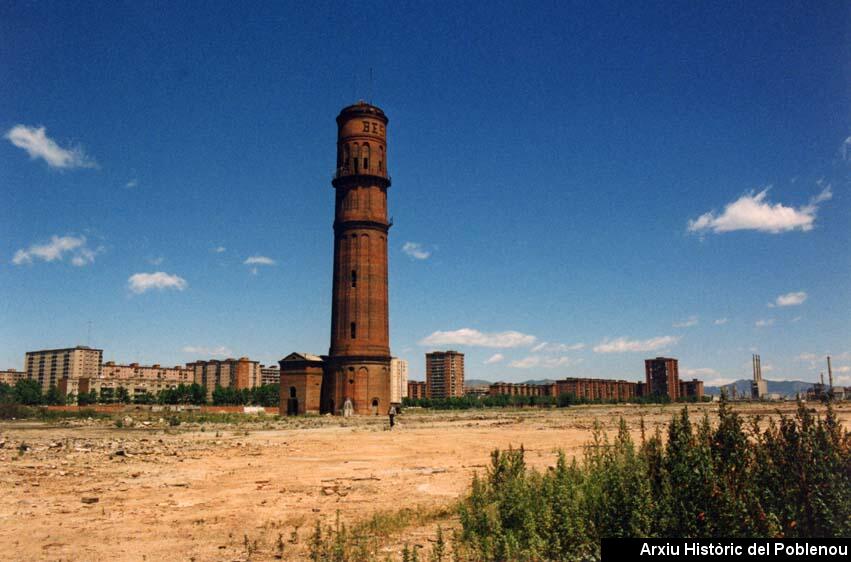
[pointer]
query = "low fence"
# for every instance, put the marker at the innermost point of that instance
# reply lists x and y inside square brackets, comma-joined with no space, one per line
[115,408]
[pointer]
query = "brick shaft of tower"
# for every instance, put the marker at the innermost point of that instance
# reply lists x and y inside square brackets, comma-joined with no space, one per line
[359,355]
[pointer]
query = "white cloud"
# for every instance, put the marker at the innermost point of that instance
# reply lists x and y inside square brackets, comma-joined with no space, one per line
[259,260]
[688,323]
[218,249]
[721,321]
[471,337]
[752,211]
[547,347]
[843,369]
[720,381]
[540,362]
[623,345]
[156,261]
[495,358]
[141,282]
[56,250]
[132,183]
[38,145]
[790,299]
[220,351]
[764,323]
[807,357]
[700,372]
[845,149]
[416,250]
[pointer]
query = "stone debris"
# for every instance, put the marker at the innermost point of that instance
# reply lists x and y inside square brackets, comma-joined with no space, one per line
[89,499]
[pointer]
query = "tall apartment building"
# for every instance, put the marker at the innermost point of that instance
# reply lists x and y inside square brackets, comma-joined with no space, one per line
[662,377]
[444,374]
[398,380]
[50,366]
[228,373]
[11,376]
[270,374]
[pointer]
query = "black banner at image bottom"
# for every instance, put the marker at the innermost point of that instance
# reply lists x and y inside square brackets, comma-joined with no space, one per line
[718,550]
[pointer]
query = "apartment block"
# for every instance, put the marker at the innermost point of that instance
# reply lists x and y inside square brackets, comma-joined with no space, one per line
[50,366]
[228,373]
[662,377]
[270,374]
[445,374]
[11,376]
[398,380]
[417,390]
[522,389]
[691,388]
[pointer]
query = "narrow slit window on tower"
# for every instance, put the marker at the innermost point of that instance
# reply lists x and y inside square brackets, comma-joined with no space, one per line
[354,330]
[354,278]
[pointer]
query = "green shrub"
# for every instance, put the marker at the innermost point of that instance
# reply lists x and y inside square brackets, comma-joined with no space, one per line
[791,479]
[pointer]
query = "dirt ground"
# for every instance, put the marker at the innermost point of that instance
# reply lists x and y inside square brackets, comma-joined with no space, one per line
[88,490]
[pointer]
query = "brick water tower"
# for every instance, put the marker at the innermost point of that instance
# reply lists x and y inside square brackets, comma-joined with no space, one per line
[358,364]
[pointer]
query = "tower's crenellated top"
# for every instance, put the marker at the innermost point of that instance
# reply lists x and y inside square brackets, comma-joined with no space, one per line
[362,142]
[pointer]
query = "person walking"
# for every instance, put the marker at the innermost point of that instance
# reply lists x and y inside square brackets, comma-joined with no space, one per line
[392,414]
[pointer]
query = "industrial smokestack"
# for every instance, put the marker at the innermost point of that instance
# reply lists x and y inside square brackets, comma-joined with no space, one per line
[821,377]
[829,373]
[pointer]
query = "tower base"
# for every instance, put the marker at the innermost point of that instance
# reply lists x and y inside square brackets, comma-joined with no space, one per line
[363,381]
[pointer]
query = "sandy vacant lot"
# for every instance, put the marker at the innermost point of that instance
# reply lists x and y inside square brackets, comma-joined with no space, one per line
[200,492]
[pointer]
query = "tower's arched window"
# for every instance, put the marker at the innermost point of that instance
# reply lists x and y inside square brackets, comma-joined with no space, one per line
[380,158]
[354,328]
[354,278]
[345,158]
[356,156]
[365,155]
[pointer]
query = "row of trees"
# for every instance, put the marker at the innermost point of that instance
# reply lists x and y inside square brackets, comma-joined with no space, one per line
[788,479]
[505,400]
[29,393]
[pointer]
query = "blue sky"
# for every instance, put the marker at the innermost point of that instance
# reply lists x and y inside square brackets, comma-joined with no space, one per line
[575,187]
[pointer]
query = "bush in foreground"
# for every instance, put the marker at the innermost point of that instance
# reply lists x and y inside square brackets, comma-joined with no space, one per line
[791,479]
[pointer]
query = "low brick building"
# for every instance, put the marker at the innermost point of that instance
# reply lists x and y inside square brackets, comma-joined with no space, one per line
[301,384]
[417,390]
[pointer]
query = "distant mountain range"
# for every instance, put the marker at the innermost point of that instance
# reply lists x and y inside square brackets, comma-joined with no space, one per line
[743,386]
[784,388]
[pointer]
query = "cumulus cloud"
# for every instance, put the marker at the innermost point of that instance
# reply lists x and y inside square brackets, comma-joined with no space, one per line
[218,250]
[807,357]
[688,323]
[790,299]
[259,260]
[220,351]
[142,282]
[58,249]
[415,250]
[131,184]
[547,347]
[752,211]
[623,345]
[471,337]
[541,362]
[764,323]
[495,358]
[721,321]
[37,144]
